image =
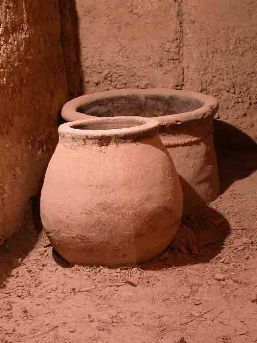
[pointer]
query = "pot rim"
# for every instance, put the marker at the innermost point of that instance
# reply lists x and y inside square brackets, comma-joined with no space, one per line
[138,127]
[208,109]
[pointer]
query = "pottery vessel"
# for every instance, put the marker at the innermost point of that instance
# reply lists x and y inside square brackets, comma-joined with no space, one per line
[111,194]
[186,130]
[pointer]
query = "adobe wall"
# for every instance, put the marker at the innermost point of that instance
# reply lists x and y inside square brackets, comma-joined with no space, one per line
[32,91]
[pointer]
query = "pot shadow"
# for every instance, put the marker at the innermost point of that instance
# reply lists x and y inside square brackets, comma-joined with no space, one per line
[19,245]
[199,239]
[200,236]
[60,260]
[236,153]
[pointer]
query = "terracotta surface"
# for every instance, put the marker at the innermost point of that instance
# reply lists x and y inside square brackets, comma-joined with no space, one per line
[32,90]
[129,43]
[206,46]
[186,131]
[111,194]
[206,297]
[220,53]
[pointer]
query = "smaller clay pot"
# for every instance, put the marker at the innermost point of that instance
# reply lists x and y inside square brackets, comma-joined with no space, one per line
[111,195]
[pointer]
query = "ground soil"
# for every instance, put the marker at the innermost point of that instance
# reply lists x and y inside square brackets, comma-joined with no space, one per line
[203,289]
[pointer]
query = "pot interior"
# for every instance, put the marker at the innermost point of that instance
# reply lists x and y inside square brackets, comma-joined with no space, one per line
[119,123]
[138,105]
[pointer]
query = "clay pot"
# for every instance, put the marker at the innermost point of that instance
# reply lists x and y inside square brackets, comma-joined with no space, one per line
[111,194]
[186,130]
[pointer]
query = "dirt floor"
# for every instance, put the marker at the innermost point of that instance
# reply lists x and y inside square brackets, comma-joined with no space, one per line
[204,289]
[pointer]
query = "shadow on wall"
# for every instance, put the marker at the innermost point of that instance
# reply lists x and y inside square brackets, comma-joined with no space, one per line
[236,153]
[71,47]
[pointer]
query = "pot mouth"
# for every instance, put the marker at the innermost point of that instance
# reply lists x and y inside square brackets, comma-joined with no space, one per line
[167,105]
[123,128]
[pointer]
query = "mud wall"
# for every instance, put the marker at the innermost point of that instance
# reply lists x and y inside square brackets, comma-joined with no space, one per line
[208,46]
[220,56]
[32,91]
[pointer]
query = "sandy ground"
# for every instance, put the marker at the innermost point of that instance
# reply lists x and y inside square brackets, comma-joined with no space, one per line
[204,289]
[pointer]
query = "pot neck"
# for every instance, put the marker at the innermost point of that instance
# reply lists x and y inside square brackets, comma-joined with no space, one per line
[104,131]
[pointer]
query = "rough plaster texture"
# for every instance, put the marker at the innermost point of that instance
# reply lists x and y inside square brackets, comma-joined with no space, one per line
[220,56]
[129,43]
[32,90]
[208,46]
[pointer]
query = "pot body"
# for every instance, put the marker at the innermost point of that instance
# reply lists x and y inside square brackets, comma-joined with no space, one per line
[186,130]
[111,202]
[192,149]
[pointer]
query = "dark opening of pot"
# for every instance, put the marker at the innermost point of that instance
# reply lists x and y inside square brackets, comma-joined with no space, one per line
[109,124]
[143,105]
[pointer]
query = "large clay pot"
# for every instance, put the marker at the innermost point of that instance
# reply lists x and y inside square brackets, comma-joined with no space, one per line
[186,131]
[111,193]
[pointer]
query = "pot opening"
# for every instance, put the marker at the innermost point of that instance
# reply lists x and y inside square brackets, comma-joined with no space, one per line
[137,105]
[106,130]
[109,124]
